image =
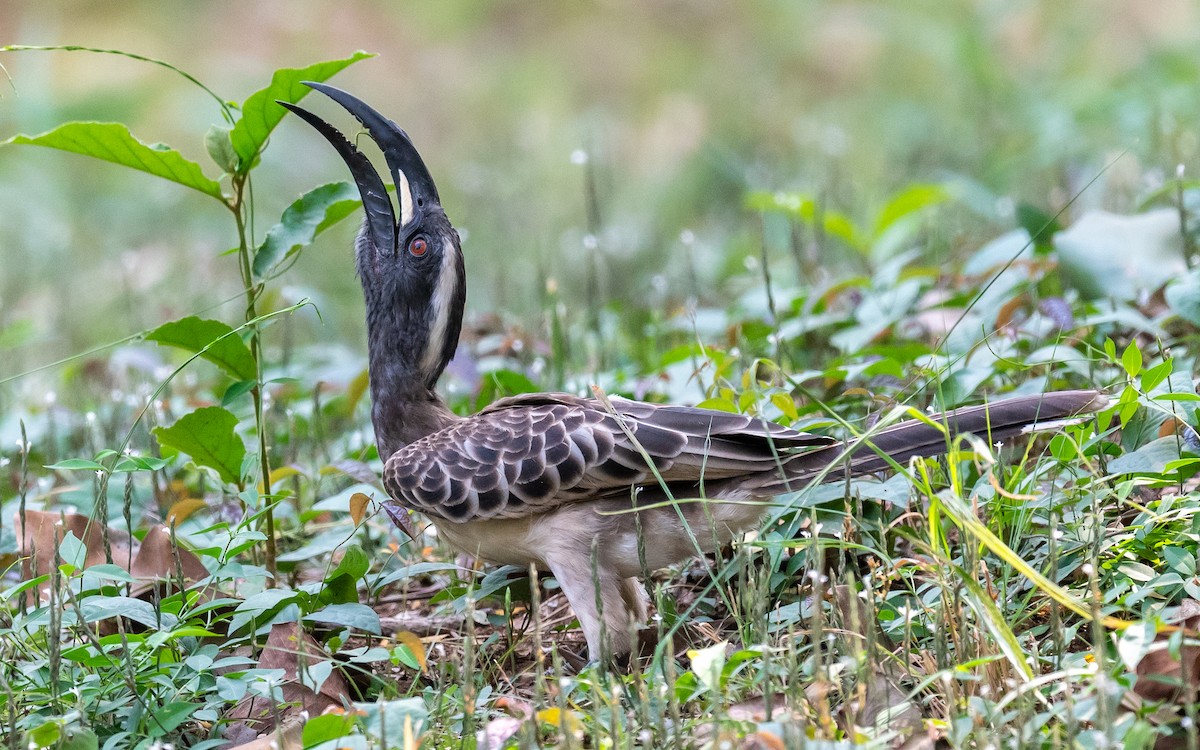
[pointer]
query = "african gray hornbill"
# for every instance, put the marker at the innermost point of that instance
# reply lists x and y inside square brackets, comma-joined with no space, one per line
[544,478]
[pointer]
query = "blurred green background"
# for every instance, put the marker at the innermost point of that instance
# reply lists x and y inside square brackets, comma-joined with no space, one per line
[681,109]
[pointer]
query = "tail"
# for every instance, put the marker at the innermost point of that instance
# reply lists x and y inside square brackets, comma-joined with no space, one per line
[994,422]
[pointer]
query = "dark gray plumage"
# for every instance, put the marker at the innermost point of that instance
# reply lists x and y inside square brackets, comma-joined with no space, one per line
[551,479]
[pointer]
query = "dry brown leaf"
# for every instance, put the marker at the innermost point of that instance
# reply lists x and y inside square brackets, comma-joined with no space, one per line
[762,740]
[42,533]
[155,560]
[884,702]
[1169,427]
[358,507]
[1163,678]
[356,389]
[1008,311]
[159,558]
[183,509]
[288,647]
[287,736]
[414,645]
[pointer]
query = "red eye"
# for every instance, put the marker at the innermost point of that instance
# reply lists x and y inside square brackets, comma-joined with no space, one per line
[418,247]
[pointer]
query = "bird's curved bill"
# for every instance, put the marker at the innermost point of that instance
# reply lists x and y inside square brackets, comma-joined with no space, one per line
[415,186]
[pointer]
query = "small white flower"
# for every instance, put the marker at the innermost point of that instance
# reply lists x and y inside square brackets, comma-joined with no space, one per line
[579,156]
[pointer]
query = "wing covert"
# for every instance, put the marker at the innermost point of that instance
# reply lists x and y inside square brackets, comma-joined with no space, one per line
[529,454]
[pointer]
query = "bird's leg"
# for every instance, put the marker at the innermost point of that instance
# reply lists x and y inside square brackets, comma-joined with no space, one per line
[606,605]
[636,599]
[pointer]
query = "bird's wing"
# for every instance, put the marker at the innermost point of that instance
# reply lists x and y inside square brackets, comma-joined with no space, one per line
[529,454]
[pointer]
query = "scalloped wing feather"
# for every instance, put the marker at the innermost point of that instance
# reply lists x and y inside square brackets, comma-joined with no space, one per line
[530,454]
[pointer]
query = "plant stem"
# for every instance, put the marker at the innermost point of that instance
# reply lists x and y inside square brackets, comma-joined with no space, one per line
[251,289]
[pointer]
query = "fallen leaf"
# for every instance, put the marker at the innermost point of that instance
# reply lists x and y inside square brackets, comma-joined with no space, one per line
[1163,678]
[289,648]
[42,533]
[183,509]
[159,559]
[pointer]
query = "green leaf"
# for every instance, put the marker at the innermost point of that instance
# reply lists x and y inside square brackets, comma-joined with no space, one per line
[1183,297]
[110,572]
[236,390]
[1151,377]
[213,340]
[326,728]
[79,738]
[341,585]
[1151,458]
[354,563]
[1041,226]
[261,113]
[1105,255]
[139,463]
[1131,359]
[358,616]
[96,608]
[72,552]
[45,735]
[207,435]
[170,716]
[220,148]
[112,141]
[77,464]
[311,214]
[908,201]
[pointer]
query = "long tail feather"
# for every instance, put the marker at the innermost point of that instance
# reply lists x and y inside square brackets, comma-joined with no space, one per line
[994,422]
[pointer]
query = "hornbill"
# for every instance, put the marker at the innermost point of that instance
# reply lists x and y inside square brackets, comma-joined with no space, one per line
[553,479]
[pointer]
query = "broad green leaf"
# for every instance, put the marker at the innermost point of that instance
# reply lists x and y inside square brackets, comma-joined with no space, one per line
[170,716]
[1131,359]
[326,728]
[311,214]
[1135,642]
[79,738]
[112,141]
[354,563]
[358,616]
[1107,255]
[261,113]
[96,608]
[1183,297]
[1153,376]
[1151,458]
[220,148]
[908,201]
[208,436]
[72,552]
[77,464]
[806,209]
[213,340]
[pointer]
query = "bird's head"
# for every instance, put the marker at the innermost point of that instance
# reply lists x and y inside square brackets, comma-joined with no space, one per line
[411,267]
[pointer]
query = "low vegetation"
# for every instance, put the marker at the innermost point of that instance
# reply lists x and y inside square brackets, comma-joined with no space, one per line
[195,558]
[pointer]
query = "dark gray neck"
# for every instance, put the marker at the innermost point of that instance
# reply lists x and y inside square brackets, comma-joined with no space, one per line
[413,324]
